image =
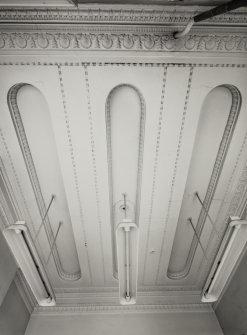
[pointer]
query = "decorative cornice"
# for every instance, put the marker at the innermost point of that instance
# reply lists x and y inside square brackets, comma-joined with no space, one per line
[156,40]
[113,309]
[156,297]
[165,15]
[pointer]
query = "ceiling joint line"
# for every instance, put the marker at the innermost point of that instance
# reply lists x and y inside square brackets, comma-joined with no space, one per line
[199,65]
[176,163]
[156,158]
[93,155]
[73,162]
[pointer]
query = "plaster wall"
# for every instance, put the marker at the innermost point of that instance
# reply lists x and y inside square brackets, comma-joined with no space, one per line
[14,315]
[171,323]
[232,309]
[7,268]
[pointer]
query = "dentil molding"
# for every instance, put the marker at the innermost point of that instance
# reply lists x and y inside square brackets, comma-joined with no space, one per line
[117,14]
[106,309]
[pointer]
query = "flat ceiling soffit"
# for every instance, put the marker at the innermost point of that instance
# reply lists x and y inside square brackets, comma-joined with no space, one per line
[120,29]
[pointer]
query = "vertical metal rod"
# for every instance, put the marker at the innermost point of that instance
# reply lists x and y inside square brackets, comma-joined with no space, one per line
[207,213]
[198,238]
[127,264]
[125,206]
[43,219]
[54,241]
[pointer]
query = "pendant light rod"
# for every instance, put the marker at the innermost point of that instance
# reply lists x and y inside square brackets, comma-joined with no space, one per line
[44,217]
[54,241]
[198,238]
[74,2]
[125,205]
[207,213]
[227,7]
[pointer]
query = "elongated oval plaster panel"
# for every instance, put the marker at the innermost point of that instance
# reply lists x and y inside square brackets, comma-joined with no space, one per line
[217,122]
[30,115]
[125,121]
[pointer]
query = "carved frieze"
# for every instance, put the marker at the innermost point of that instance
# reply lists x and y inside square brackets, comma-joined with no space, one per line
[119,41]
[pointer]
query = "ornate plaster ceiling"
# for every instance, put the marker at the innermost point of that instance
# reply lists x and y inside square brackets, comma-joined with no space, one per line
[114,2]
[158,2]
[88,130]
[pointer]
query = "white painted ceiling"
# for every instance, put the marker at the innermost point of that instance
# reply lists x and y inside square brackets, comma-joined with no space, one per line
[66,112]
[89,131]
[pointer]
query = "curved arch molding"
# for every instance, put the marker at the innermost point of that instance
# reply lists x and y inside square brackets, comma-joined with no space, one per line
[64,254]
[125,123]
[202,178]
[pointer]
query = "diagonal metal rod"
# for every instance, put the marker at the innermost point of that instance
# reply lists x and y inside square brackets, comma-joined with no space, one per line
[54,241]
[198,238]
[207,213]
[44,217]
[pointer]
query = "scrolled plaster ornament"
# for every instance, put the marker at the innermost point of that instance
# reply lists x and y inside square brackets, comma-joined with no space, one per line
[64,41]
[42,41]
[149,42]
[85,41]
[2,42]
[53,40]
[106,41]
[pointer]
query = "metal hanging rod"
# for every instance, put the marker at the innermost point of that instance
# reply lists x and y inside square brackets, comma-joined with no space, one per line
[44,217]
[125,205]
[198,238]
[224,8]
[74,2]
[207,213]
[54,241]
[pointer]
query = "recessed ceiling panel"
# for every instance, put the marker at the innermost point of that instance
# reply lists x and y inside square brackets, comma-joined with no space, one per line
[89,161]
[216,125]
[32,122]
[125,122]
